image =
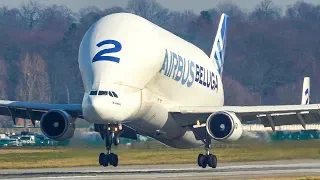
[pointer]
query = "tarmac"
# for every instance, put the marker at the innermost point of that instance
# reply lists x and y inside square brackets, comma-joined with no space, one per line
[245,170]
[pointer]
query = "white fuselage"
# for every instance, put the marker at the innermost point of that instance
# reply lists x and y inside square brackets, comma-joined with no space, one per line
[151,70]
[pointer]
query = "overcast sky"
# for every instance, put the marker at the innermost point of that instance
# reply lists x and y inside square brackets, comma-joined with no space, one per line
[179,5]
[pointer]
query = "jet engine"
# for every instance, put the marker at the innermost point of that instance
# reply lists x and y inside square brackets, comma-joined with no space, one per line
[224,126]
[57,125]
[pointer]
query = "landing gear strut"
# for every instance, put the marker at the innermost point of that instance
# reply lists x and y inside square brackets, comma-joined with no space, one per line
[207,158]
[110,135]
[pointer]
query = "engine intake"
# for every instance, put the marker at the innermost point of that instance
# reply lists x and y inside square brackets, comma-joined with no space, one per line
[57,125]
[224,126]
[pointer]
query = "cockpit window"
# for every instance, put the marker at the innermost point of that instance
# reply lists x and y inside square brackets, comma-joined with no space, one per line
[93,92]
[114,94]
[103,93]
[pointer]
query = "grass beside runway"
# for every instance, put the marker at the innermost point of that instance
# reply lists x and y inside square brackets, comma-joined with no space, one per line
[75,156]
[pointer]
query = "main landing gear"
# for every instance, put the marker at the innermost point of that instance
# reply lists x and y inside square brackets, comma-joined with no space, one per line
[207,158]
[110,135]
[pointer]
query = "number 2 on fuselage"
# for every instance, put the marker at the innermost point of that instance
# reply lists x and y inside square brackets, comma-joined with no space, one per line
[101,55]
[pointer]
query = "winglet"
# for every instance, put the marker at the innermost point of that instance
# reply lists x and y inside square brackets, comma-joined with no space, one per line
[220,42]
[305,98]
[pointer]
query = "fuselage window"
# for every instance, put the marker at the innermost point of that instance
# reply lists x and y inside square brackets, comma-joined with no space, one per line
[103,93]
[115,94]
[93,92]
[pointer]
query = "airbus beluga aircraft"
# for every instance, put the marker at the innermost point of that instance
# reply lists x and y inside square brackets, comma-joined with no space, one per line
[141,79]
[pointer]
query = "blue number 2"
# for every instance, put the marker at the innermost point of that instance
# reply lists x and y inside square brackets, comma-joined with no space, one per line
[100,56]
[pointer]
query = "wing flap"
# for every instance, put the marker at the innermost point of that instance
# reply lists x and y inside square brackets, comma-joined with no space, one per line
[288,119]
[5,111]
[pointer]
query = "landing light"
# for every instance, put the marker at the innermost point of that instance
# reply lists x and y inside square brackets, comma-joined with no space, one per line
[115,129]
[198,122]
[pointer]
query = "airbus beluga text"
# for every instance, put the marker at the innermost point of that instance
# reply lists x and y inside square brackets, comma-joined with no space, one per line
[141,79]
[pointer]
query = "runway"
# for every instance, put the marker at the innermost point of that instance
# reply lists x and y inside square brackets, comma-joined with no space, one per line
[247,170]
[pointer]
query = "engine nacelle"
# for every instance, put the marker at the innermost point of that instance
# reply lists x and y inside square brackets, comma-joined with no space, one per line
[224,126]
[57,125]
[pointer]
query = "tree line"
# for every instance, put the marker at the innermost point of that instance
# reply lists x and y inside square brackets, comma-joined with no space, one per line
[269,50]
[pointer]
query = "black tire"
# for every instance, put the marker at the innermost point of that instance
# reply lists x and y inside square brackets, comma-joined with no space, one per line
[212,160]
[101,158]
[106,160]
[203,161]
[199,161]
[115,160]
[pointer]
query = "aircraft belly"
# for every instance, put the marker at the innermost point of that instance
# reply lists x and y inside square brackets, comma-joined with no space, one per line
[155,121]
[186,141]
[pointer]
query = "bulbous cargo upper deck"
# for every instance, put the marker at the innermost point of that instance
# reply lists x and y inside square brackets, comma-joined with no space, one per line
[118,45]
[126,49]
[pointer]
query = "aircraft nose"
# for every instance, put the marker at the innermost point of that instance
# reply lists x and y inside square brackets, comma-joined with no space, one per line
[104,109]
[97,109]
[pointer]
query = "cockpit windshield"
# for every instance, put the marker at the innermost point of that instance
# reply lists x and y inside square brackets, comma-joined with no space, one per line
[104,93]
[93,92]
[114,94]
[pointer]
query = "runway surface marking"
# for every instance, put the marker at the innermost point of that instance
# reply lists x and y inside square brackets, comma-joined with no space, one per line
[224,171]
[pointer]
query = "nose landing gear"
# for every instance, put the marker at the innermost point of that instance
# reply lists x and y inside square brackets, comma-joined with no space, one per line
[110,135]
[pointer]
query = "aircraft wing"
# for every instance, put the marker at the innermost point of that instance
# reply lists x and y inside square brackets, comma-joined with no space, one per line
[34,111]
[270,116]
